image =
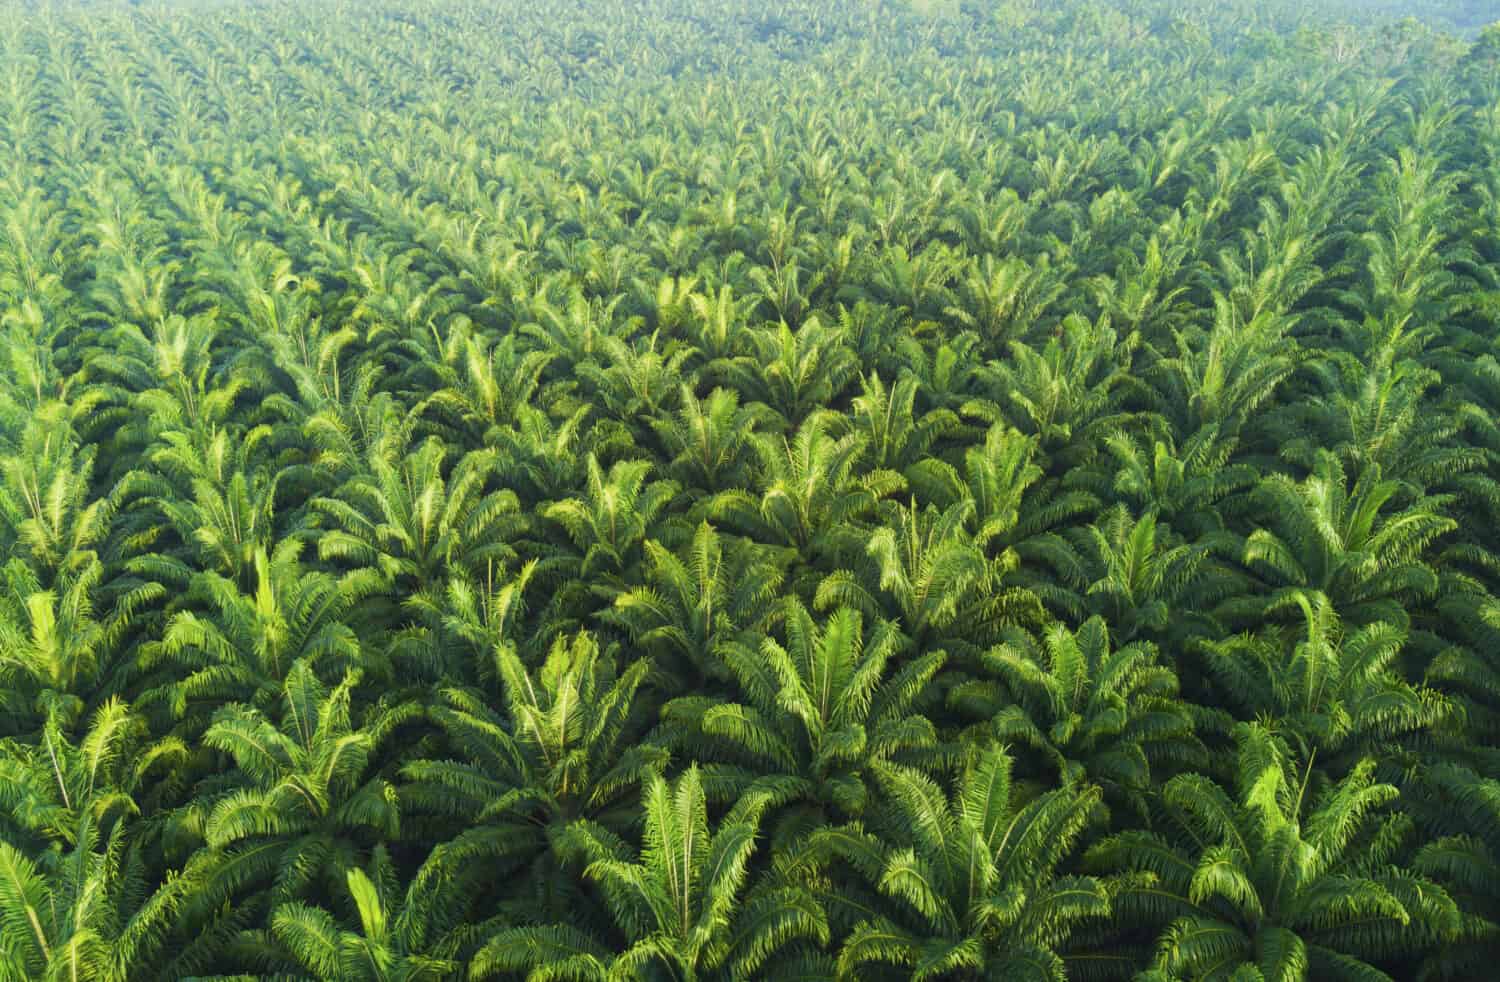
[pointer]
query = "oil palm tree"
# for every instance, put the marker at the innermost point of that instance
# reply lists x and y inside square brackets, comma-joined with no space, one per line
[54,649]
[1333,691]
[384,946]
[411,518]
[47,509]
[567,746]
[932,579]
[1188,487]
[89,912]
[1109,716]
[341,431]
[812,492]
[609,524]
[482,389]
[109,771]
[997,475]
[1220,378]
[218,500]
[574,333]
[165,367]
[1464,808]
[794,372]
[1378,412]
[306,799]
[538,455]
[680,903]
[979,892]
[1013,506]
[815,714]
[896,437]
[694,609]
[1132,571]
[720,326]
[1001,299]
[80,897]
[1269,880]
[238,647]
[1068,394]
[1347,543]
[635,383]
[711,441]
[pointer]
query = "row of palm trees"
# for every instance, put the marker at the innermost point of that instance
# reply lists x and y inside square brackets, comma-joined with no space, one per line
[809,490]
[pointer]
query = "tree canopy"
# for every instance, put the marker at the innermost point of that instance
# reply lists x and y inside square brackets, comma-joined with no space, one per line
[730,489]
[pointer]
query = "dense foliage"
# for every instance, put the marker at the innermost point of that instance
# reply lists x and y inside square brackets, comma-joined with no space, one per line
[728,490]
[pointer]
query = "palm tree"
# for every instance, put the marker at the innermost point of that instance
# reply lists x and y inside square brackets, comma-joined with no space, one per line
[400,308]
[680,903]
[720,326]
[566,747]
[996,477]
[896,438]
[82,895]
[1012,505]
[1219,381]
[978,892]
[1001,299]
[218,499]
[165,366]
[48,511]
[1465,669]
[1133,572]
[385,947]
[208,482]
[710,441]
[946,368]
[111,772]
[320,396]
[784,294]
[694,609]
[610,524]
[1270,881]
[344,429]
[305,801]
[573,335]
[412,523]
[794,372]
[457,632]
[670,301]
[242,646]
[1410,281]
[482,390]
[537,456]
[54,650]
[1069,393]
[1188,487]
[1334,692]
[812,492]
[1325,537]
[1463,807]
[915,283]
[1486,49]
[1379,413]
[1147,292]
[1096,713]
[815,716]
[933,580]
[88,913]
[636,383]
